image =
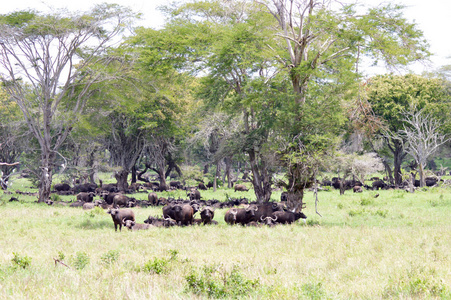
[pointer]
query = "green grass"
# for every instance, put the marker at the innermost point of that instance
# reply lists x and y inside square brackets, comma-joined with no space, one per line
[395,246]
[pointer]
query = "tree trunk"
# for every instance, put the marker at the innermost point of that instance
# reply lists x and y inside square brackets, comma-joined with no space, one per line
[412,183]
[422,176]
[228,162]
[134,175]
[342,186]
[121,178]
[172,165]
[397,161]
[162,175]
[238,169]
[206,166]
[261,180]
[140,174]
[388,171]
[45,187]
[91,164]
[215,180]
[295,200]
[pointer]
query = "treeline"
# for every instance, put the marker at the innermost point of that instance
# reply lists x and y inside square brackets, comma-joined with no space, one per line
[224,87]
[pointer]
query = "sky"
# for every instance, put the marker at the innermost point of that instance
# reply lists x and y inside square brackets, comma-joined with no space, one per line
[433,17]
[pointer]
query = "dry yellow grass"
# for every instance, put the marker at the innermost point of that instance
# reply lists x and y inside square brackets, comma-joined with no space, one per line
[398,247]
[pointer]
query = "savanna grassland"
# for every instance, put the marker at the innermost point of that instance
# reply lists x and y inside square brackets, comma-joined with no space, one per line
[395,246]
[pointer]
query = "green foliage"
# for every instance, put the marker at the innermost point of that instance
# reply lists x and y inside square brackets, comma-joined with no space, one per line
[417,282]
[391,94]
[55,197]
[18,19]
[356,212]
[160,265]
[313,291]
[61,255]
[215,282]
[368,200]
[110,257]
[80,260]
[191,173]
[20,261]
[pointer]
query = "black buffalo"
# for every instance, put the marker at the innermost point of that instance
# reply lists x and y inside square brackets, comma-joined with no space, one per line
[288,217]
[241,215]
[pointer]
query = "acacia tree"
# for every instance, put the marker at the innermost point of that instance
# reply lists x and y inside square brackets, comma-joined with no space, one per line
[389,95]
[214,133]
[52,54]
[12,134]
[225,41]
[320,45]
[422,135]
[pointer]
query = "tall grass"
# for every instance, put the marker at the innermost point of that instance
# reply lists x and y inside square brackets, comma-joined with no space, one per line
[396,246]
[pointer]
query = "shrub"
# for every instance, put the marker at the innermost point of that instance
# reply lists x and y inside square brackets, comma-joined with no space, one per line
[21,261]
[381,212]
[55,197]
[160,265]
[81,260]
[356,212]
[313,290]
[98,211]
[61,255]
[110,257]
[366,201]
[215,282]
[416,283]
[312,222]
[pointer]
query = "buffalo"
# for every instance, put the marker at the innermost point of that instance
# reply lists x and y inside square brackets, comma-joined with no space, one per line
[241,215]
[201,186]
[241,188]
[90,205]
[269,221]
[266,210]
[288,217]
[175,184]
[121,215]
[207,214]
[85,197]
[194,195]
[378,184]
[357,189]
[109,197]
[86,188]
[121,200]
[61,187]
[132,225]
[181,213]
[153,198]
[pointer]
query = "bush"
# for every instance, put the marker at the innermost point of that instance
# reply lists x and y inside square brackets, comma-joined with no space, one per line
[215,282]
[313,290]
[366,201]
[418,282]
[55,197]
[81,260]
[21,261]
[160,265]
[110,257]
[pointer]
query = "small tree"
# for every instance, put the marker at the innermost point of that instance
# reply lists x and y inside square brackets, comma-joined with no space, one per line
[53,54]
[423,138]
[363,165]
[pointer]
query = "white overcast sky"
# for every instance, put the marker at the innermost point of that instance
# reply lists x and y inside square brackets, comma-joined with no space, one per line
[432,16]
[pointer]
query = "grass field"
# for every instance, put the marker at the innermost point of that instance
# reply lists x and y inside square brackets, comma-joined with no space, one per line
[396,246]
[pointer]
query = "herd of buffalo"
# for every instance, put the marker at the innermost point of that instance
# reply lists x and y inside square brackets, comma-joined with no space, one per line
[174,211]
[182,211]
